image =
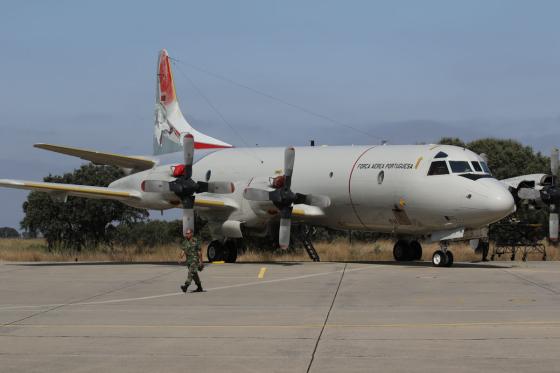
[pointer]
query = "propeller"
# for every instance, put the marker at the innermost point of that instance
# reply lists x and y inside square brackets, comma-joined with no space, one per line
[284,198]
[554,197]
[549,195]
[185,187]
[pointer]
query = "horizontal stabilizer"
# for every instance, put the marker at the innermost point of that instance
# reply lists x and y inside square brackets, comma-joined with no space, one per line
[73,190]
[135,163]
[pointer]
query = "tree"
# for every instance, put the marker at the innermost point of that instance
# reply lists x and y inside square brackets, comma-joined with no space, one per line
[79,222]
[8,232]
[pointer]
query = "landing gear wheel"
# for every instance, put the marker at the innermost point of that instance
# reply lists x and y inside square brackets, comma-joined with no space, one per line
[230,251]
[449,261]
[415,250]
[401,251]
[439,259]
[215,251]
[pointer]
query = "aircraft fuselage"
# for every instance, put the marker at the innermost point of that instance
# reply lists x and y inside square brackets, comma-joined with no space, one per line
[383,188]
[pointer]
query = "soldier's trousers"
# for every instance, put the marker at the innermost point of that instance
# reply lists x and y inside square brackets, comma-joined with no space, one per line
[193,275]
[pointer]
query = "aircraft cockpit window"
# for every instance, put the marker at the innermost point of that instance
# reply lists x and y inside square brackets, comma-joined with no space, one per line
[460,167]
[476,166]
[485,168]
[441,155]
[438,168]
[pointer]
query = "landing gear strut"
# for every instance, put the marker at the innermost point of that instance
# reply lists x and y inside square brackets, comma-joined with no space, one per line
[442,257]
[407,250]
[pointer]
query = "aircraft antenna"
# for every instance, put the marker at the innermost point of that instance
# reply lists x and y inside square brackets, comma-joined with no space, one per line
[215,109]
[274,98]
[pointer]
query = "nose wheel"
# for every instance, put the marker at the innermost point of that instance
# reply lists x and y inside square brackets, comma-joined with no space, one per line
[442,257]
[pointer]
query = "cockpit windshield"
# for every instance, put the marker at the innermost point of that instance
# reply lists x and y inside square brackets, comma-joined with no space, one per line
[470,169]
[476,166]
[486,168]
[459,167]
[438,168]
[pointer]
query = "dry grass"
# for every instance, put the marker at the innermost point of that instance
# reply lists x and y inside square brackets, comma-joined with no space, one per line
[338,251]
[382,250]
[17,250]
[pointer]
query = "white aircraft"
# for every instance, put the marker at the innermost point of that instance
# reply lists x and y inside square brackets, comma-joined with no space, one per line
[433,192]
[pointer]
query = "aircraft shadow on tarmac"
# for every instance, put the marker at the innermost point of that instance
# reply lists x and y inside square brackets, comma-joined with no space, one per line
[486,265]
[429,264]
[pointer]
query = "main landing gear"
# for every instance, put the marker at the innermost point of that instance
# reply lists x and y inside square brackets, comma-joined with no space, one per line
[442,257]
[407,250]
[223,251]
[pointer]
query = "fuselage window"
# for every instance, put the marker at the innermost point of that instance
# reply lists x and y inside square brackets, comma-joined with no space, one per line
[476,166]
[460,167]
[485,168]
[438,168]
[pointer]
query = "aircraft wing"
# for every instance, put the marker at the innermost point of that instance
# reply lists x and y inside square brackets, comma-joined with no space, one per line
[303,211]
[533,180]
[215,203]
[62,190]
[136,163]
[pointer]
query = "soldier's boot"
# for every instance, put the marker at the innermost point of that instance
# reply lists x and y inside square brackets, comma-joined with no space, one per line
[184,288]
[198,287]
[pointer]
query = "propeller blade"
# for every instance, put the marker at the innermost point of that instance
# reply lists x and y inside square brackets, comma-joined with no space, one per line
[188,151]
[553,226]
[255,194]
[188,220]
[554,162]
[317,200]
[289,158]
[155,186]
[529,194]
[220,187]
[284,233]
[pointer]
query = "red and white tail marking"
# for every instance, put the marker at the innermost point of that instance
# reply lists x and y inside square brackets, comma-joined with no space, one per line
[170,124]
[165,79]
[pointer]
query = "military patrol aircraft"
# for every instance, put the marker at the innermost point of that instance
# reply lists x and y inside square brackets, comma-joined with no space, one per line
[431,192]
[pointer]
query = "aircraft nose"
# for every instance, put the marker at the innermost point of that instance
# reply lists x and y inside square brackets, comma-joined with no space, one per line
[500,202]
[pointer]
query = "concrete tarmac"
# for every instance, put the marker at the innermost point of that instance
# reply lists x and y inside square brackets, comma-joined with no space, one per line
[281,317]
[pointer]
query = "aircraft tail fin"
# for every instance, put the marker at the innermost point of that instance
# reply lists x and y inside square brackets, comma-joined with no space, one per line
[170,125]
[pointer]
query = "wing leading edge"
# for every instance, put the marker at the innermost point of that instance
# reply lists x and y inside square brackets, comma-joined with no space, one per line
[73,190]
[136,163]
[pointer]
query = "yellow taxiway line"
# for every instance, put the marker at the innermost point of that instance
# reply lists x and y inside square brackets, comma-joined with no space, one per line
[262,272]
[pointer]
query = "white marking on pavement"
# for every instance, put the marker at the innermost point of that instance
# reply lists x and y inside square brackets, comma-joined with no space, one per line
[121,300]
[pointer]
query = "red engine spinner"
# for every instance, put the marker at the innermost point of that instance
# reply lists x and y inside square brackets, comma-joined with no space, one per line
[178,170]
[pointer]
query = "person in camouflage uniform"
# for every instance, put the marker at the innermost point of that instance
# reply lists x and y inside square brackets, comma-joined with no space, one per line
[193,258]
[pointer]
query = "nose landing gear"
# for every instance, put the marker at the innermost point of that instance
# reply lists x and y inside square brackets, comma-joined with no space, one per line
[442,257]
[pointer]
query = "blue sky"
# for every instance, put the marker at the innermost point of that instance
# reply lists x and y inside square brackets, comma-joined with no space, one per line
[83,74]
